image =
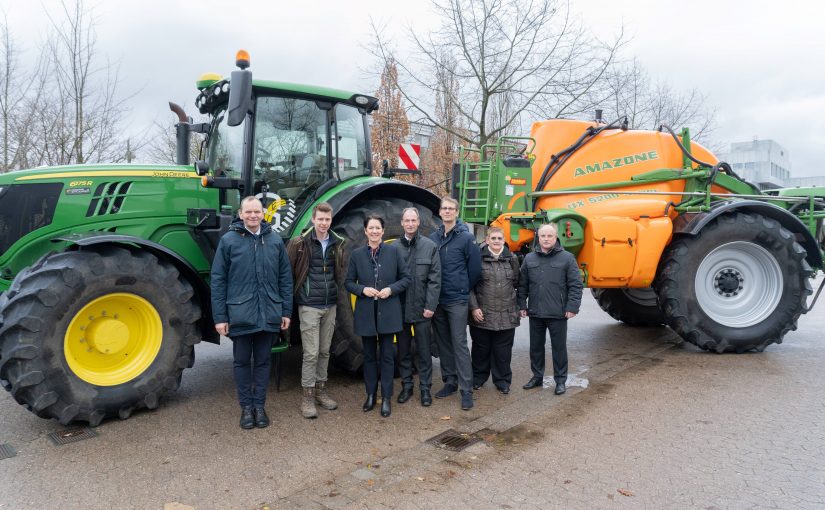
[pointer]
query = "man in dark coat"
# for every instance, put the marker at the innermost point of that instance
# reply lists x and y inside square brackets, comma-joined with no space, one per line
[377,275]
[420,301]
[251,302]
[550,293]
[460,270]
[318,266]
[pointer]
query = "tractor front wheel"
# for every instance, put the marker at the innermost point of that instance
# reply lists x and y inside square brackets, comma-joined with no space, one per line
[88,335]
[740,284]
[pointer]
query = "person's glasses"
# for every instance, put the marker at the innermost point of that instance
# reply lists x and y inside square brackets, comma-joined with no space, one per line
[448,208]
[496,239]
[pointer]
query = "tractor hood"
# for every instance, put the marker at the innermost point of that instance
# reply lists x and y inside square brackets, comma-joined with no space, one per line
[61,173]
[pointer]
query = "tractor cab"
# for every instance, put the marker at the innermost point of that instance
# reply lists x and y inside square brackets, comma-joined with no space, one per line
[282,142]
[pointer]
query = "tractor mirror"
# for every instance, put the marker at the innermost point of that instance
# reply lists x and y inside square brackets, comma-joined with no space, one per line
[240,97]
[201,167]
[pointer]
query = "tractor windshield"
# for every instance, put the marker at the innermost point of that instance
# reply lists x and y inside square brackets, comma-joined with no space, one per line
[226,148]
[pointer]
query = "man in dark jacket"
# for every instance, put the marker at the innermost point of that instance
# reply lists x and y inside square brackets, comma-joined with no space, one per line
[317,263]
[420,301]
[550,293]
[251,302]
[460,270]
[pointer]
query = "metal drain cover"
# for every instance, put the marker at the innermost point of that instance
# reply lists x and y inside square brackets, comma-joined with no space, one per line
[71,435]
[453,441]
[7,451]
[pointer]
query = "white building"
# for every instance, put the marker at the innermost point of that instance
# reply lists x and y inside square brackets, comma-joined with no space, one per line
[762,162]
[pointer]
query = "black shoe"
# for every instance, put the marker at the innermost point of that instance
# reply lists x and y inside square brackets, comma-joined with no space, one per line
[385,407]
[261,419]
[534,382]
[369,404]
[560,388]
[477,386]
[466,400]
[406,394]
[426,398]
[247,418]
[446,391]
[503,389]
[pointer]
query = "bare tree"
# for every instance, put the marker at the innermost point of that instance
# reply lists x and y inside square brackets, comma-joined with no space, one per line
[647,105]
[85,108]
[390,125]
[507,57]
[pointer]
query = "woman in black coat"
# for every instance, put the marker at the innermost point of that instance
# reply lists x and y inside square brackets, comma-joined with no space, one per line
[377,275]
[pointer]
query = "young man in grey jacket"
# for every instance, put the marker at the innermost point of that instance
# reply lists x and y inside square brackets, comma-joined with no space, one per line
[419,301]
[550,293]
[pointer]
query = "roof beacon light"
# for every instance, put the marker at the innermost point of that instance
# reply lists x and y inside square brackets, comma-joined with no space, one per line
[242,59]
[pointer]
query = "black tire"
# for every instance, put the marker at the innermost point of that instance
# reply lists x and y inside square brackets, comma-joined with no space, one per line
[347,351]
[739,285]
[634,307]
[43,301]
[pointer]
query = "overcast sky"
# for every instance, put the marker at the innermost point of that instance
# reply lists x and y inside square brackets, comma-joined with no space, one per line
[759,63]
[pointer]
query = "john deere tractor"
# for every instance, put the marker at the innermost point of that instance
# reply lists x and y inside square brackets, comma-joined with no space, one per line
[664,233]
[104,268]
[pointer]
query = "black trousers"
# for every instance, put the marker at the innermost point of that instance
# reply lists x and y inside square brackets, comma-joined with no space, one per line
[252,380]
[371,344]
[491,354]
[558,345]
[425,359]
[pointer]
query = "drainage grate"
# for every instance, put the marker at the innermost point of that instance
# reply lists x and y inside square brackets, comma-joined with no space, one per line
[7,451]
[71,435]
[453,441]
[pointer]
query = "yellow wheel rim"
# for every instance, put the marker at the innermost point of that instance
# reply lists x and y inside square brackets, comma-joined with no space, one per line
[113,339]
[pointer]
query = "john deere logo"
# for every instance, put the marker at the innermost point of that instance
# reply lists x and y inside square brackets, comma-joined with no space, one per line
[610,164]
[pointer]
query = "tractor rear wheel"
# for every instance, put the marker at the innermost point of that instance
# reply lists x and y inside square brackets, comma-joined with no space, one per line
[347,351]
[740,284]
[88,335]
[634,307]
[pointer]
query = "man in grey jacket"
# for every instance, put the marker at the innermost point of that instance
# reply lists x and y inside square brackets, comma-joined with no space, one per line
[550,293]
[419,301]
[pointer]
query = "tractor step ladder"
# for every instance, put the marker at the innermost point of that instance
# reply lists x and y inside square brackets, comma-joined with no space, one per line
[475,190]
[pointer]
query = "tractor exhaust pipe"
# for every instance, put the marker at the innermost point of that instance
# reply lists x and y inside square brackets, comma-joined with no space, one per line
[183,131]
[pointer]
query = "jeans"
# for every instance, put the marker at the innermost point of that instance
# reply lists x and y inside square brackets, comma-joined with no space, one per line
[425,359]
[558,345]
[450,329]
[250,379]
[491,353]
[317,327]
[371,364]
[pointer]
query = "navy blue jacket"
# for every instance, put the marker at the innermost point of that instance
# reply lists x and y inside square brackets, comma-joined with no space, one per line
[392,272]
[460,263]
[251,280]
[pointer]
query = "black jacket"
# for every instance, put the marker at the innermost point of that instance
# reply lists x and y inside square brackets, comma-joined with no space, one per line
[317,285]
[460,263]
[251,280]
[495,292]
[550,284]
[424,268]
[392,273]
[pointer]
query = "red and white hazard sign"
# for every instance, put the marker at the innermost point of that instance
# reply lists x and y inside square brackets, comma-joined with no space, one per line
[408,156]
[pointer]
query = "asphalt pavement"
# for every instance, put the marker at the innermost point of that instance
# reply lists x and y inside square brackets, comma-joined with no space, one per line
[648,422]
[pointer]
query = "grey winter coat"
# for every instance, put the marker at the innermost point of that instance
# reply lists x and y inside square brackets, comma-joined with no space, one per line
[424,267]
[550,284]
[495,292]
[251,280]
[392,273]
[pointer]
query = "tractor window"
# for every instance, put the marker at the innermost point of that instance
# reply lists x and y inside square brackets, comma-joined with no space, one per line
[226,156]
[350,151]
[289,155]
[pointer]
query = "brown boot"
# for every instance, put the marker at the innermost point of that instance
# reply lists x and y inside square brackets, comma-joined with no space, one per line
[308,404]
[322,398]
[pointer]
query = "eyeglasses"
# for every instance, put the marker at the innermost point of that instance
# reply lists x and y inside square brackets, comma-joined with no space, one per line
[448,209]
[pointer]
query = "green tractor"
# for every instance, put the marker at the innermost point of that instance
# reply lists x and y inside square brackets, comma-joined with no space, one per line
[104,269]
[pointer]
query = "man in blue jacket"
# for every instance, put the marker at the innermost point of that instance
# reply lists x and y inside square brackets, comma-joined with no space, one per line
[251,303]
[460,270]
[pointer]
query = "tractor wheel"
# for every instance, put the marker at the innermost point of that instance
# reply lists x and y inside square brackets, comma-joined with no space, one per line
[634,307]
[347,351]
[88,335]
[740,284]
